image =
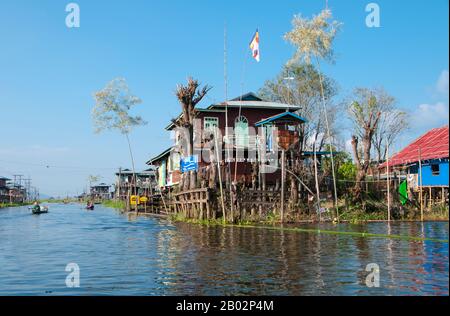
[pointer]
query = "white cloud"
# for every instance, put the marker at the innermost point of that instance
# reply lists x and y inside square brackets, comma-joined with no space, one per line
[430,115]
[442,83]
[434,114]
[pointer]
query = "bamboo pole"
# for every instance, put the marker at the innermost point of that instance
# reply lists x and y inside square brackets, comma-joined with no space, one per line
[220,177]
[283,173]
[226,144]
[133,180]
[430,198]
[388,183]
[119,184]
[317,183]
[420,184]
[333,168]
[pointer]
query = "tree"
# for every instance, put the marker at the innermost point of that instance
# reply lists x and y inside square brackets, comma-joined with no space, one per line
[346,169]
[299,84]
[313,38]
[112,112]
[93,179]
[365,111]
[189,96]
[392,123]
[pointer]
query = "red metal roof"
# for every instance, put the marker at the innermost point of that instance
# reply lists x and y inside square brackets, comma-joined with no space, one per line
[432,145]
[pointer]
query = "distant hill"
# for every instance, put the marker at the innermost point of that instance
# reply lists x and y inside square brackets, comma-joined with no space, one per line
[44,196]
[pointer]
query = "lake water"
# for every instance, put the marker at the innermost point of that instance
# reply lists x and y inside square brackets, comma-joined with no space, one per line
[120,254]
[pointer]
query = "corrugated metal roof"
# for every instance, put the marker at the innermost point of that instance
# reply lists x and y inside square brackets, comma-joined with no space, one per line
[286,116]
[256,105]
[247,101]
[101,185]
[432,145]
[162,155]
[139,174]
[250,96]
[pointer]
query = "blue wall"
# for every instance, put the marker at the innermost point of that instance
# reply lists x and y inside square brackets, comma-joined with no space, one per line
[428,178]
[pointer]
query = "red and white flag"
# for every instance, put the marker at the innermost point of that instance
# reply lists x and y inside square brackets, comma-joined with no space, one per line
[254,46]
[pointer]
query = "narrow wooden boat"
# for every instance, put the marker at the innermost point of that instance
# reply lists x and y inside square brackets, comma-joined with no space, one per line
[42,210]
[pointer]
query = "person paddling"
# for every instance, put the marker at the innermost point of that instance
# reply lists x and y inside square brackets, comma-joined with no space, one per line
[90,205]
[36,207]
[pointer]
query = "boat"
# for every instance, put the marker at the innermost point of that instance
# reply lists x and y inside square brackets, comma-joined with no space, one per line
[42,210]
[90,207]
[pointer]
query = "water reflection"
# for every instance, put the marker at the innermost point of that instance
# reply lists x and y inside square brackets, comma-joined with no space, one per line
[130,255]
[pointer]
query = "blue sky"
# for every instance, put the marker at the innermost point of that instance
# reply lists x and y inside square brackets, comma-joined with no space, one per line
[48,72]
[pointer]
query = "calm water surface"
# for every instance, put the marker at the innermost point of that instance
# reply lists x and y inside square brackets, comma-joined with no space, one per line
[127,255]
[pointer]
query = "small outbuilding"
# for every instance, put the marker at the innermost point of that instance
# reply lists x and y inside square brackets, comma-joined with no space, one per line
[425,163]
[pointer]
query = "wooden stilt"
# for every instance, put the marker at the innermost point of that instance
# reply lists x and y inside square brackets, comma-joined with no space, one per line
[420,184]
[430,205]
[283,180]
[388,183]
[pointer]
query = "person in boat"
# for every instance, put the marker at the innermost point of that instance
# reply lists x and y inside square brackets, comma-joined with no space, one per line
[90,205]
[36,207]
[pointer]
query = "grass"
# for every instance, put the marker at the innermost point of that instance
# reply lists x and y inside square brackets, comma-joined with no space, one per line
[220,222]
[58,201]
[115,204]
[4,205]
[359,216]
[206,222]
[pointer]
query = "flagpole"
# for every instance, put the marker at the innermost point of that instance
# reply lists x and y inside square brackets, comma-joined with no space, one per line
[240,99]
[225,75]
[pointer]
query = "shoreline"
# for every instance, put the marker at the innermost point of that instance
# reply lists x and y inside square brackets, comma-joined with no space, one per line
[243,223]
[218,222]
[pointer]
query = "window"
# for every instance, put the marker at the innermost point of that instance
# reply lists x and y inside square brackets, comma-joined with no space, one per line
[268,130]
[209,123]
[241,131]
[162,174]
[435,170]
[174,162]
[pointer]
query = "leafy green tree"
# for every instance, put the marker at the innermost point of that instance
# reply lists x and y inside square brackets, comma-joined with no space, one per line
[345,169]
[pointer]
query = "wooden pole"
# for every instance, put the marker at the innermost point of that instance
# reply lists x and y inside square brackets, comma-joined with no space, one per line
[430,198]
[119,184]
[316,175]
[220,178]
[420,184]
[333,168]
[388,183]
[283,176]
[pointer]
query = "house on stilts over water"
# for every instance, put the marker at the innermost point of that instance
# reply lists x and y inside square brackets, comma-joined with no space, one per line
[245,161]
[424,162]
